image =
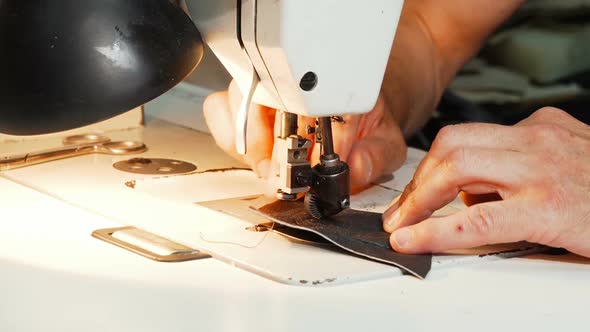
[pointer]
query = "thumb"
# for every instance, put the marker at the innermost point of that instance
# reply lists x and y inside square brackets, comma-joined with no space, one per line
[379,153]
[377,147]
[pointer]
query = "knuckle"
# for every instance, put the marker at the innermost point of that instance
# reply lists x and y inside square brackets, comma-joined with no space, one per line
[451,140]
[410,203]
[456,160]
[412,185]
[445,136]
[408,190]
[549,113]
[480,220]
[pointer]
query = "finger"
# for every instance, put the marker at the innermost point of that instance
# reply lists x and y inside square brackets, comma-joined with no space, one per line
[487,223]
[471,199]
[219,118]
[377,149]
[345,134]
[260,133]
[550,115]
[373,157]
[480,135]
[475,190]
[470,167]
[390,209]
[555,117]
[456,137]
[273,180]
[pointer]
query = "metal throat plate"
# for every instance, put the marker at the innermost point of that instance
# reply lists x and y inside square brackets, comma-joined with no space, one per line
[154,166]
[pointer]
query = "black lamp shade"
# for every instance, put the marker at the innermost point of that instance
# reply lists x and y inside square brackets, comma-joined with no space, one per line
[70,63]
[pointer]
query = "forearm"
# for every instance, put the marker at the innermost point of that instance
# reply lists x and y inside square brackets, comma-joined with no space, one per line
[434,39]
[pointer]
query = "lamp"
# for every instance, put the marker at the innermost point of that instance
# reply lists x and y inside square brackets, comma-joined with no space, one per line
[70,63]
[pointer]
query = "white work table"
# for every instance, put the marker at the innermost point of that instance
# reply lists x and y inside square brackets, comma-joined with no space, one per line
[55,277]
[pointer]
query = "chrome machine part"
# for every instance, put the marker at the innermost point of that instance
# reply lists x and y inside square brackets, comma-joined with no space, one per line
[294,167]
[154,166]
[300,49]
[33,158]
[329,192]
[85,139]
[241,122]
[148,245]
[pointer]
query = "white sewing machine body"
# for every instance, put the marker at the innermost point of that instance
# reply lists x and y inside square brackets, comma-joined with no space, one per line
[345,44]
[308,58]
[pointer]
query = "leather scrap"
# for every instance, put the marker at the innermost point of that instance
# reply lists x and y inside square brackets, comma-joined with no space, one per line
[358,232]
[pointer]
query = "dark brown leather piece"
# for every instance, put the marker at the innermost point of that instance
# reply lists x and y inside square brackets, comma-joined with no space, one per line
[358,232]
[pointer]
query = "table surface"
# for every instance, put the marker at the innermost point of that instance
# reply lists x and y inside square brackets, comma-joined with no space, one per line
[55,277]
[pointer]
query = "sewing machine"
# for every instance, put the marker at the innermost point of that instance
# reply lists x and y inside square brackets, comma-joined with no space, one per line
[295,57]
[55,276]
[288,55]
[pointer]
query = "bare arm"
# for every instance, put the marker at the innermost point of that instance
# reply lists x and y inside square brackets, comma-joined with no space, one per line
[536,168]
[434,39]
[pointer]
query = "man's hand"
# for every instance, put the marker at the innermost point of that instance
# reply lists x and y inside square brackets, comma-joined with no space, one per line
[372,144]
[540,168]
[431,44]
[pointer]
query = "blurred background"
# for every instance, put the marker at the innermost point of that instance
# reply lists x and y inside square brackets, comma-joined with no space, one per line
[539,57]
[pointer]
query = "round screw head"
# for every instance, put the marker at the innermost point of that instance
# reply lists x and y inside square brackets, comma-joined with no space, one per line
[345,203]
[308,81]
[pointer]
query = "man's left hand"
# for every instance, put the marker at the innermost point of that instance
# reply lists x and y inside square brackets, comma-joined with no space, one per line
[539,170]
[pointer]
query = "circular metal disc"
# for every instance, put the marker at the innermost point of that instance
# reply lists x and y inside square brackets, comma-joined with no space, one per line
[103,57]
[85,139]
[154,166]
[124,147]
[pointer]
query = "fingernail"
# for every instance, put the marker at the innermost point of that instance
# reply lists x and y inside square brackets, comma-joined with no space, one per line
[402,237]
[391,221]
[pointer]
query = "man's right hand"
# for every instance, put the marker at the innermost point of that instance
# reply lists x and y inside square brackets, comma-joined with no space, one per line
[431,44]
[372,144]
